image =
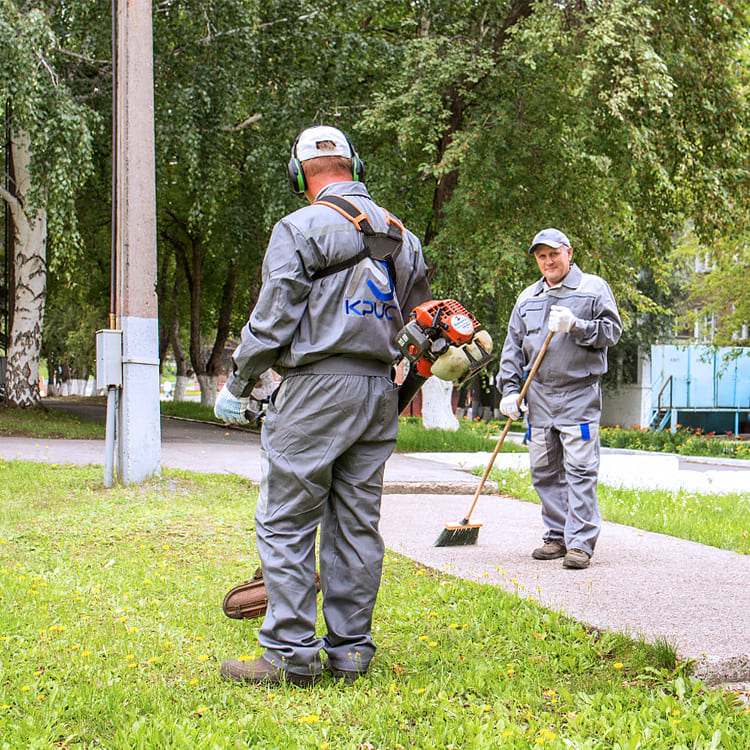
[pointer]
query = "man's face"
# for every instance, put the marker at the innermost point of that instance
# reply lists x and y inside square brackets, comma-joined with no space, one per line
[553,262]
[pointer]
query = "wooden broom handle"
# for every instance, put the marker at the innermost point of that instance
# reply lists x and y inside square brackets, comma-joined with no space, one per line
[525,388]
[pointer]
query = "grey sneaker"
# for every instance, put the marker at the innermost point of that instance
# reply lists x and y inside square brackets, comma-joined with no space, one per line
[576,558]
[549,551]
[262,672]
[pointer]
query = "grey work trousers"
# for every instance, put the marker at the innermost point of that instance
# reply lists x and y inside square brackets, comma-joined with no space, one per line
[325,442]
[564,459]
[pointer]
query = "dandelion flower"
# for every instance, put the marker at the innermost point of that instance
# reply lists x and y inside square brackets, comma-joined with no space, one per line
[310,719]
[618,665]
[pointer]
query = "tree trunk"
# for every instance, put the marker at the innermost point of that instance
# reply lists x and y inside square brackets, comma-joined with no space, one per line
[29,227]
[214,364]
[180,388]
[437,406]
[209,386]
[180,361]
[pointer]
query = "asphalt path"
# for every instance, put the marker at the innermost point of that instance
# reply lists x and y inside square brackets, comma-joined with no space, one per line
[647,585]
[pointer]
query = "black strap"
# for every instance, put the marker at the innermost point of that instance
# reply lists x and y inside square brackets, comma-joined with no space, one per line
[379,246]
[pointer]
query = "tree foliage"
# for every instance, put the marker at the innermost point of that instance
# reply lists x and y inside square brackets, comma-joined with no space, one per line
[619,121]
[614,121]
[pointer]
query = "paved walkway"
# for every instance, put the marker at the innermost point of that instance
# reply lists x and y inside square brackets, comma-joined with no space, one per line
[643,584]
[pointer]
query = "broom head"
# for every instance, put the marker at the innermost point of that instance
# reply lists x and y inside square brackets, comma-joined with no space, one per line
[459,534]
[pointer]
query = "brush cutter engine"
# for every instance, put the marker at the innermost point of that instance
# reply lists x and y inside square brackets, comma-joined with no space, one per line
[444,339]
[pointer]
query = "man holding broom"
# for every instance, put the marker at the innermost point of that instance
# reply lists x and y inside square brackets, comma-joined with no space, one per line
[564,398]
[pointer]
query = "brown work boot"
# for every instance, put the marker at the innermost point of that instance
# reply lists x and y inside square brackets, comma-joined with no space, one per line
[346,676]
[262,672]
[576,558]
[549,551]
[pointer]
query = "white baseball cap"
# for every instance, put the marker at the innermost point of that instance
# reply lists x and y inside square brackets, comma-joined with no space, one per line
[309,140]
[551,237]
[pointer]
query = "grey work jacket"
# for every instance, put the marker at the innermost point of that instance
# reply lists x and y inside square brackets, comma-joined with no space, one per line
[574,359]
[356,312]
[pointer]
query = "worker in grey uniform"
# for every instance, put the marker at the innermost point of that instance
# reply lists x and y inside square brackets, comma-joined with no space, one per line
[564,398]
[328,323]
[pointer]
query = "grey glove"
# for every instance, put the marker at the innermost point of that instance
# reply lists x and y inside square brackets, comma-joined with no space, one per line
[229,408]
[509,406]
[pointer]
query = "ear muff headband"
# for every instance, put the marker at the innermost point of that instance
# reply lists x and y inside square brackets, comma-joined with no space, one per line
[296,176]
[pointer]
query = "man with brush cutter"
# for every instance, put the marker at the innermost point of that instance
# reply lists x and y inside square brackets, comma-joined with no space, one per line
[340,278]
[564,398]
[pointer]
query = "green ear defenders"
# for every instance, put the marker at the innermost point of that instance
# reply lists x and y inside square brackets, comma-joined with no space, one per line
[296,176]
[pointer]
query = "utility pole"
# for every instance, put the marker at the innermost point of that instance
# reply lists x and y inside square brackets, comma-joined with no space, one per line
[138,450]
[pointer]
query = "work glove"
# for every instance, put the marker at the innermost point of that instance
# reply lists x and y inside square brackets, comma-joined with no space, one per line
[509,406]
[561,319]
[229,408]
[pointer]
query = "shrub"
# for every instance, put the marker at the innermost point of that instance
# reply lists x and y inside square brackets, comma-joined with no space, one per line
[683,440]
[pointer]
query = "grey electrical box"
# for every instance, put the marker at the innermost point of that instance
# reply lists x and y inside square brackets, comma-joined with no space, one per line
[108,358]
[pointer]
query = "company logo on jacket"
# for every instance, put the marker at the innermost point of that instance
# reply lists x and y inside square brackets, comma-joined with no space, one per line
[381,288]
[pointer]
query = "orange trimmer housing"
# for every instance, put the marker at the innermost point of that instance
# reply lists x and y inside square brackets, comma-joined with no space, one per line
[440,319]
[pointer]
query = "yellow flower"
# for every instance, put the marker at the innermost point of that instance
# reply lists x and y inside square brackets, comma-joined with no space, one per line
[618,665]
[194,681]
[202,657]
[311,719]
[129,657]
[422,638]
[25,688]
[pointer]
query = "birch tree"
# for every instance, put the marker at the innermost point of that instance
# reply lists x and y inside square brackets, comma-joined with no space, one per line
[49,149]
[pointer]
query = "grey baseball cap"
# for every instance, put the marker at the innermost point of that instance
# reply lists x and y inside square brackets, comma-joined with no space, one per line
[309,140]
[551,237]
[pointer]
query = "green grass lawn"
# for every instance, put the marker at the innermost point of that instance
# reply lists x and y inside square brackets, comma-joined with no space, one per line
[41,422]
[111,634]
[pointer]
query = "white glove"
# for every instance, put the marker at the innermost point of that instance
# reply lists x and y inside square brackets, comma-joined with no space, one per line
[229,408]
[509,406]
[561,319]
